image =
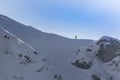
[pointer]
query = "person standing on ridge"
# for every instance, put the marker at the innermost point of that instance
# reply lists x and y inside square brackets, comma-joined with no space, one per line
[76,37]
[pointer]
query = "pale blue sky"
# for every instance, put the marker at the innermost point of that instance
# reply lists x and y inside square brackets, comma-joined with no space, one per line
[89,19]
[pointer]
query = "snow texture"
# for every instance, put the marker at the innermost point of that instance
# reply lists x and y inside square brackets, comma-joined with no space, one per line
[29,54]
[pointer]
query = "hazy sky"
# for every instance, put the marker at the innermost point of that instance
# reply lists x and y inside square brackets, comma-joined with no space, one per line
[89,19]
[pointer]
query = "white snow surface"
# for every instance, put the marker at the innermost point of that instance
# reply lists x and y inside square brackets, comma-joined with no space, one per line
[19,62]
[29,54]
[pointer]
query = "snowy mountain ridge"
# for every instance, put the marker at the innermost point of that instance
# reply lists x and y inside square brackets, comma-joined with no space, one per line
[48,56]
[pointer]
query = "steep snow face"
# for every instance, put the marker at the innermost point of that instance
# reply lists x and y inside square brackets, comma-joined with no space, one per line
[19,61]
[109,48]
[59,50]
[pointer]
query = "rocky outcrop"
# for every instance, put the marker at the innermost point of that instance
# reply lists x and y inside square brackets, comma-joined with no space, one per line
[109,48]
[82,65]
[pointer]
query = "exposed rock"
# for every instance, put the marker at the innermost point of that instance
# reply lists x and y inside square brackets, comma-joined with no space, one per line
[82,65]
[108,49]
[95,77]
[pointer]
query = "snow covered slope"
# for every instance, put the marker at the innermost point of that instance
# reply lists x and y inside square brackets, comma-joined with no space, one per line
[57,49]
[19,61]
[65,59]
